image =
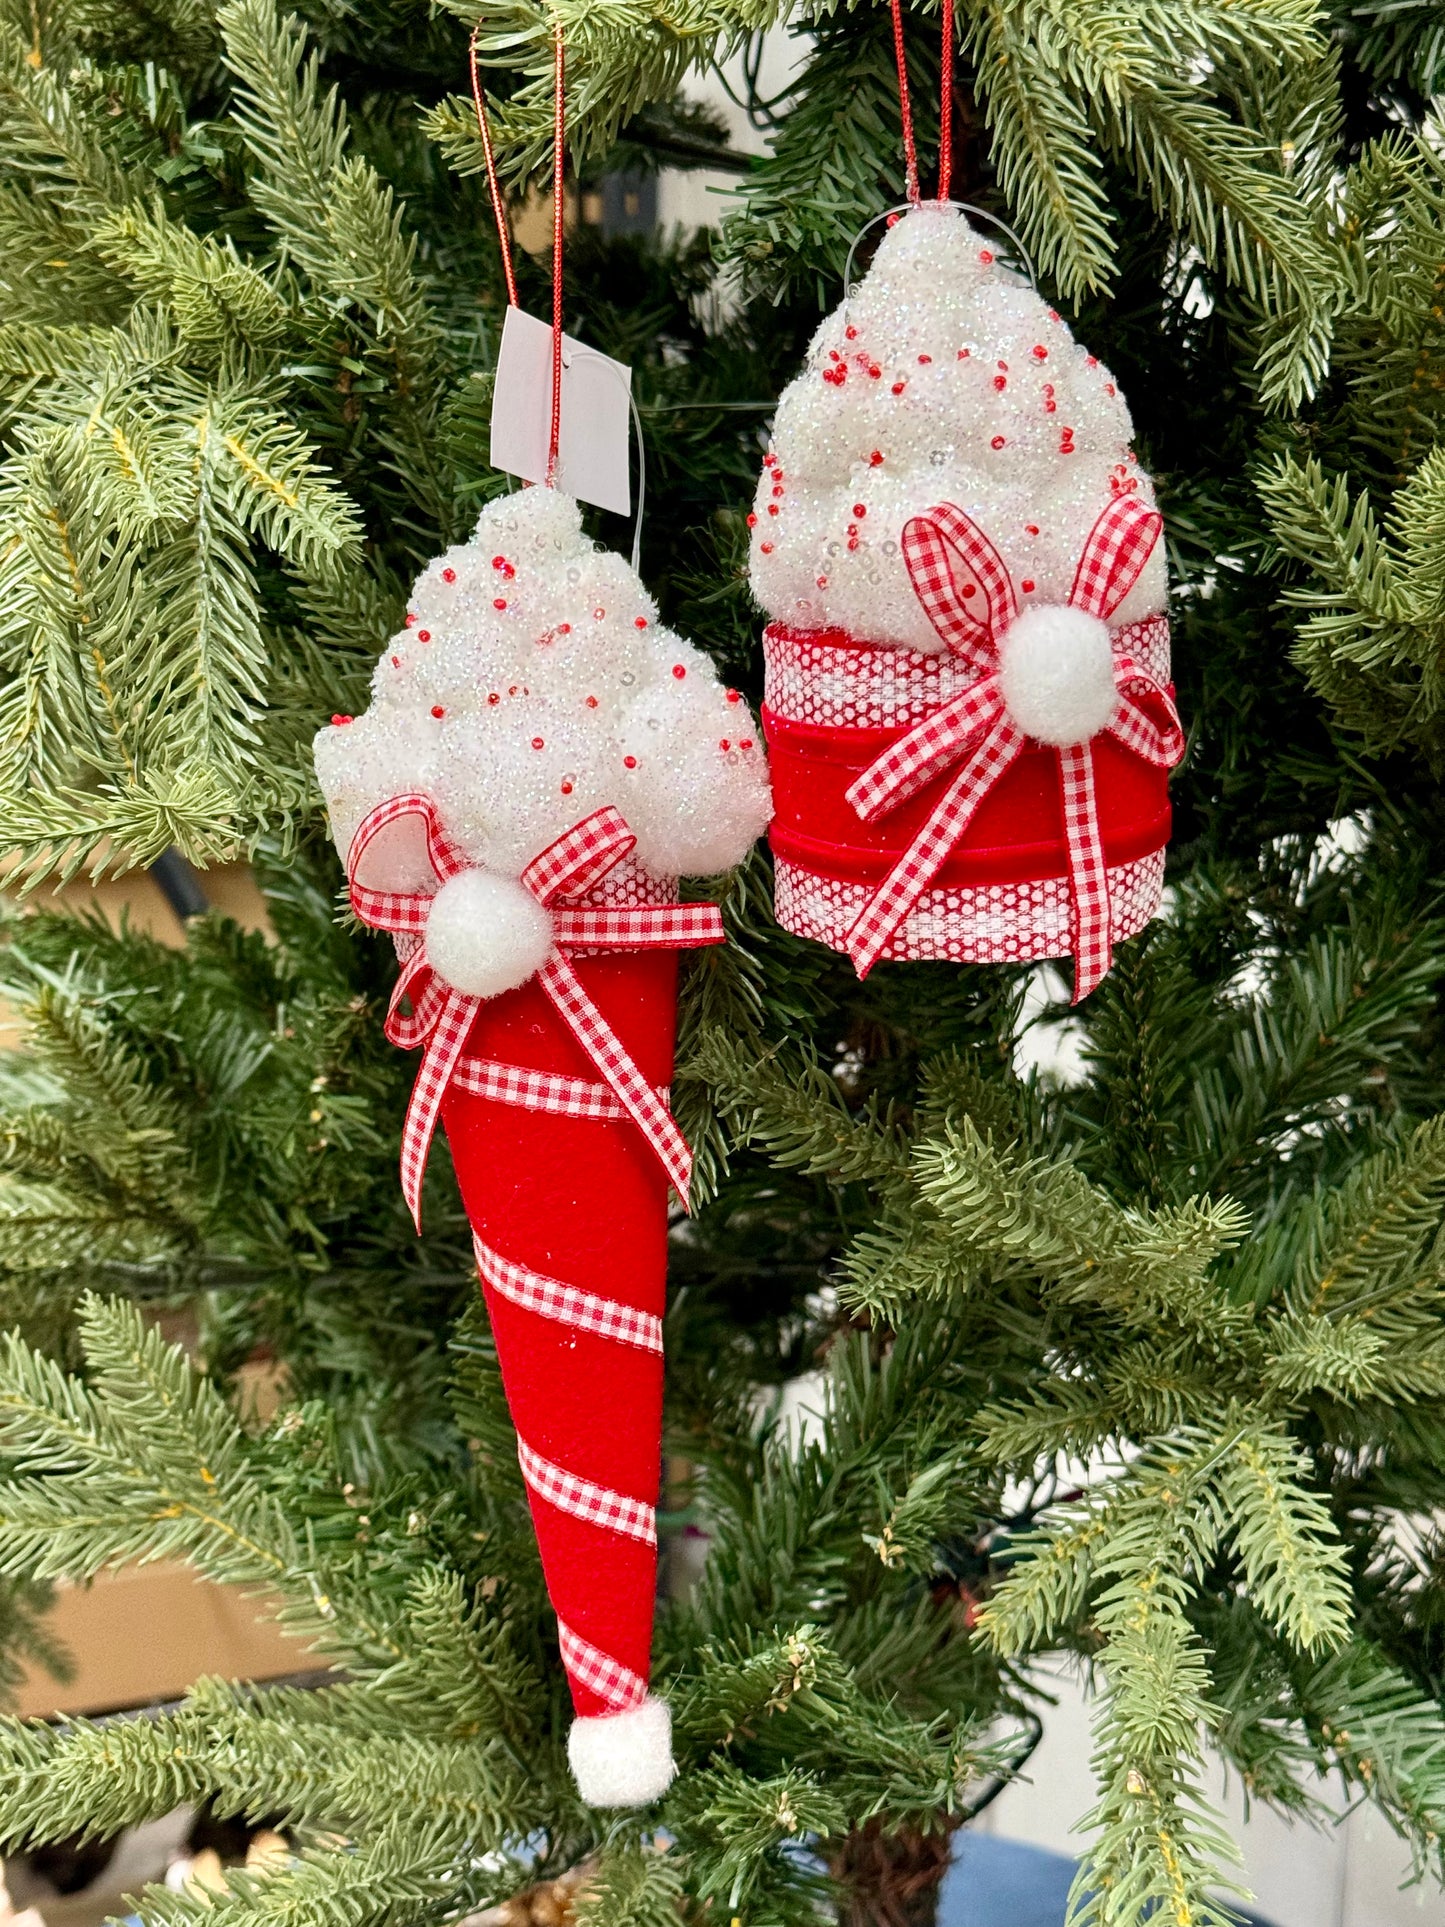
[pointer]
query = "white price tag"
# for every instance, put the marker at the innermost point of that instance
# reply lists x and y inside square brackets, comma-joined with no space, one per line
[596,398]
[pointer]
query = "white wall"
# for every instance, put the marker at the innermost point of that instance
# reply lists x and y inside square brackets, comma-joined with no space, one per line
[699,198]
[1346,1876]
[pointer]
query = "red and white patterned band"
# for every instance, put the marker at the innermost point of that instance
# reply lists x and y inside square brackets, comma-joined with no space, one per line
[441,1017]
[552,1484]
[599,1505]
[608,1678]
[952,565]
[586,1311]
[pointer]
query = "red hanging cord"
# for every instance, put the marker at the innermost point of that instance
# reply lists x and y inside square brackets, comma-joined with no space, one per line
[499,212]
[945,106]
[558,222]
[910,152]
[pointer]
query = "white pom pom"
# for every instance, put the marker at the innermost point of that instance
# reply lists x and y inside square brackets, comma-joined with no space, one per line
[623,1759]
[486,934]
[1056,674]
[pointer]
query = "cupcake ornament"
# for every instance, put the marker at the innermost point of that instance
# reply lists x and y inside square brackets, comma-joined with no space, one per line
[967,697]
[540,761]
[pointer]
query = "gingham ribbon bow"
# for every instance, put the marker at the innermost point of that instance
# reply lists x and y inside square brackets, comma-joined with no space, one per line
[441,1016]
[975,728]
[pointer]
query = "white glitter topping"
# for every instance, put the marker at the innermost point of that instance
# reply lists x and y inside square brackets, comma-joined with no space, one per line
[532,684]
[941,379]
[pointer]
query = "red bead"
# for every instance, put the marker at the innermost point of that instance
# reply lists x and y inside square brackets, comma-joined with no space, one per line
[438,711]
[1040,353]
[822,582]
[923,360]
[411,620]
[998,442]
[494,697]
[875,373]
[591,702]
[1109,388]
[746,743]
[875,459]
[340,721]
[733,696]
[1031,528]
[778,493]
[1027,586]
[1091,361]
[423,635]
[449,575]
[678,671]
[564,628]
[1000,382]
[859,510]
[598,614]
[537,742]
[970,588]
[396,662]
[986,257]
[566,789]
[898,387]
[499,562]
[851,333]
[724,743]
[752,520]
[499,602]
[772,508]
[1051,408]
[1003,365]
[639,622]
[767,548]
[629,762]
[852,542]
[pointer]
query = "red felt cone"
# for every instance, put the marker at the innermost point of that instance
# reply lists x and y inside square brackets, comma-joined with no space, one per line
[570,1220]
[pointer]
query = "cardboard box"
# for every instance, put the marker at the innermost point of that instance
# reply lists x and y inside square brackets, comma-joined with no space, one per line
[143,1634]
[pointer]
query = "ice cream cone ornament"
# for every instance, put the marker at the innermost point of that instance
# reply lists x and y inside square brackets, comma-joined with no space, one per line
[967,696]
[540,761]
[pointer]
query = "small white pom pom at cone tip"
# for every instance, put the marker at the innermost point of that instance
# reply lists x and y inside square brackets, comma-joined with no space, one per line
[623,1759]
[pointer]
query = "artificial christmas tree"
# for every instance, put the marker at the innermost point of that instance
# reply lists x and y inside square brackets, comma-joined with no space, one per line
[249,324]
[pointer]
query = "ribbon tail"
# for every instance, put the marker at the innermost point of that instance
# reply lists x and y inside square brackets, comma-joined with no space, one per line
[1089,905]
[920,863]
[607,1051]
[444,1047]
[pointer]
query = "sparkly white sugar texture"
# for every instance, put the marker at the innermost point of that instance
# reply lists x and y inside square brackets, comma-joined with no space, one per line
[942,378]
[532,684]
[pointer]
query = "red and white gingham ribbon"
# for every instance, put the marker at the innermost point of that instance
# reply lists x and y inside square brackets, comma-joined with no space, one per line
[441,1016]
[607,1677]
[976,730]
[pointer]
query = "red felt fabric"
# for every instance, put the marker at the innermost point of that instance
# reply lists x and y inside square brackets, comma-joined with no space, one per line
[1015,835]
[584,1202]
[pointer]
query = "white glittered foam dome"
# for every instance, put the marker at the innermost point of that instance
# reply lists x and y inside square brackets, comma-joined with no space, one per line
[532,684]
[941,378]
